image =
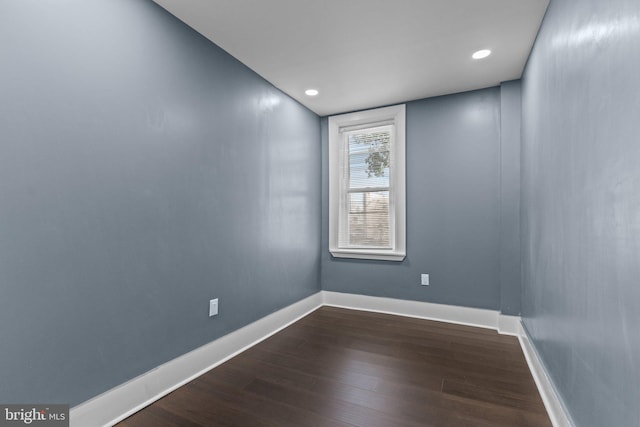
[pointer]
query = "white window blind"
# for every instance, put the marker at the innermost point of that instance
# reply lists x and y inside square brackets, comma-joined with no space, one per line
[366,214]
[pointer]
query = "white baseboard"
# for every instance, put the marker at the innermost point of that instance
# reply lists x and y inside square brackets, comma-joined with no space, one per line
[422,310]
[120,402]
[552,403]
[509,325]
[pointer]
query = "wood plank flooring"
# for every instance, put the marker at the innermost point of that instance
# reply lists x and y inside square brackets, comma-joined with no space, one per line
[338,367]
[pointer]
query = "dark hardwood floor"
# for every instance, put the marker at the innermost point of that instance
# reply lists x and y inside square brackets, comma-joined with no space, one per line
[339,367]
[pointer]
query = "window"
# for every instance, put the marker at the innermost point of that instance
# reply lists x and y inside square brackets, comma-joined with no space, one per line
[367,184]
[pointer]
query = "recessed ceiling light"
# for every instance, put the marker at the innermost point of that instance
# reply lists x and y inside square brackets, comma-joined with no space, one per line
[311,92]
[481,54]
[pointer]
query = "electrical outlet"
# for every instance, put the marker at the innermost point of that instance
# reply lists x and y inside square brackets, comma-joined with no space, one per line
[424,279]
[213,307]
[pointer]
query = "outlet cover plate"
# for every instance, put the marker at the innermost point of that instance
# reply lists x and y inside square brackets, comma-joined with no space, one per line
[213,307]
[424,279]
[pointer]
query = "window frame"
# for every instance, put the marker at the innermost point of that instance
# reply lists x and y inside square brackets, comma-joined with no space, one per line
[339,126]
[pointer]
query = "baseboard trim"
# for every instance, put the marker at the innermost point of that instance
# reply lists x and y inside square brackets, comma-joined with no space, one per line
[120,402]
[552,402]
[509,325]
[468,316]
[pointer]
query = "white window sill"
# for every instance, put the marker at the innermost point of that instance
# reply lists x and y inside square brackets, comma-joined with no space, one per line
[368,254]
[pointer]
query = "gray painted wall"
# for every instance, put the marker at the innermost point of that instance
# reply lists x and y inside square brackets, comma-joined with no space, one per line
[143,171]
[453,208]
[510,268]
[581,206]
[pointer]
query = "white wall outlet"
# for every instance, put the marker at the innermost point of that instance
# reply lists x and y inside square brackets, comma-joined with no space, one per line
[424,279]
[213,307]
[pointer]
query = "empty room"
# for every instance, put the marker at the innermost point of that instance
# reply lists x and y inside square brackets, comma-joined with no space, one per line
[320,213]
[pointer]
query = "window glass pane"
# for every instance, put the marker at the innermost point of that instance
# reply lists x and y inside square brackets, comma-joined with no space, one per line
[369,158]
[368,219]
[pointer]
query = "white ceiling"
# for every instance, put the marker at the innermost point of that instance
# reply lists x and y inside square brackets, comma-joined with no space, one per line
[368,53]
